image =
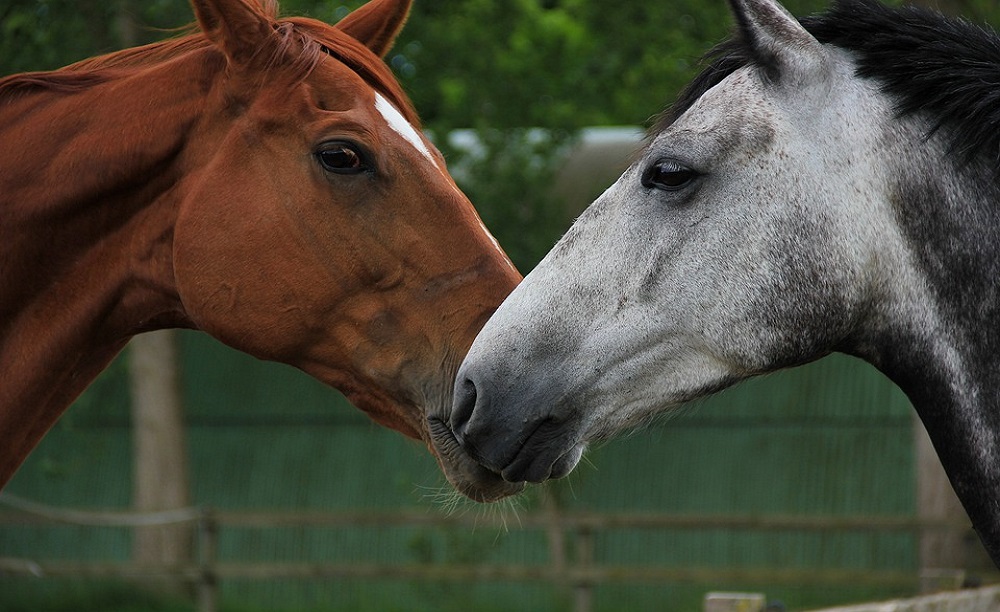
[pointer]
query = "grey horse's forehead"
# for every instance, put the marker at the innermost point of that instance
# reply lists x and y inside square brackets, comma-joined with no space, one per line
[734,115]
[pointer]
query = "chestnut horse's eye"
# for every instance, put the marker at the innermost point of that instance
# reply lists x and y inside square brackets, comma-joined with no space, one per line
[667,176]
[342,158]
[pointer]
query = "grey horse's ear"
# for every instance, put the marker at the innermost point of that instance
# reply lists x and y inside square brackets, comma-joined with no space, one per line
[779,42]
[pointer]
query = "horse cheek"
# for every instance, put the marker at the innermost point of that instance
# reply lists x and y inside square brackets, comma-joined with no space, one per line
[233,279]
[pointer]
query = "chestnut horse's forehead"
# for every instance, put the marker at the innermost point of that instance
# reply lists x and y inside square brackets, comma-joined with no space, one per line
[401,126]
[332,91]
[408,132]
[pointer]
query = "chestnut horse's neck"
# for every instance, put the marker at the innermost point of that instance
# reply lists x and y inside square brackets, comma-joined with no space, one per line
[88,209]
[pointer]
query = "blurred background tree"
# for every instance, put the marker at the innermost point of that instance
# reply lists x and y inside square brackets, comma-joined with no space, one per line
[561,64]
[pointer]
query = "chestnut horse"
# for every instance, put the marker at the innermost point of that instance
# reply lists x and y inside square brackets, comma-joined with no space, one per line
[262,180]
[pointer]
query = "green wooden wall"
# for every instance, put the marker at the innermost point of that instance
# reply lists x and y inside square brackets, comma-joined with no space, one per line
[832,438]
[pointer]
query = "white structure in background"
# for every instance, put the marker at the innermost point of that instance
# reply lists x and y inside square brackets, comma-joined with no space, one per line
[591,162]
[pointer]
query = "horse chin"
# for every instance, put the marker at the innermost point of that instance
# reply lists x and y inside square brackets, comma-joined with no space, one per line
[465,473]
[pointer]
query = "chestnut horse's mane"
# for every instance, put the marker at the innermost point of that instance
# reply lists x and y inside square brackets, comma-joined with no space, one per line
[300,43]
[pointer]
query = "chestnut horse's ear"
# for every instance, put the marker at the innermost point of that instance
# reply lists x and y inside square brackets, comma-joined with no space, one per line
[237,27]
[376,24]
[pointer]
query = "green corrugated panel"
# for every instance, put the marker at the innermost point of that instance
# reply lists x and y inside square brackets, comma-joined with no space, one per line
[226,387]
[832,438]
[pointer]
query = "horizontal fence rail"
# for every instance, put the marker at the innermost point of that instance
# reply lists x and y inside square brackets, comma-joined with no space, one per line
[486,572]
[577,571]
[393,518]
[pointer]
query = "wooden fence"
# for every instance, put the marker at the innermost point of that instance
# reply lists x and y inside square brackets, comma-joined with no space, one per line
[572,567]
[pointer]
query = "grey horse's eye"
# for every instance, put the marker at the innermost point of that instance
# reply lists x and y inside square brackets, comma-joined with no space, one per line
[667,176]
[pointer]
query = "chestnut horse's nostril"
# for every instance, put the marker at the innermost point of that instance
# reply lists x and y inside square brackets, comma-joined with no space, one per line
[462,407]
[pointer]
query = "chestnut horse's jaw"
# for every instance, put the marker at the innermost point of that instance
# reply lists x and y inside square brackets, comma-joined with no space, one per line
[418,418]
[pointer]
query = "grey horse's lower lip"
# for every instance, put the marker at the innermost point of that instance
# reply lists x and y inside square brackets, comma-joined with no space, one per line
[464,473]
[568,461]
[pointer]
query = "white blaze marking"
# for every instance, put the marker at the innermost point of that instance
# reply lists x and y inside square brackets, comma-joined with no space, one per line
[401,126]
[497,246]
[404,128]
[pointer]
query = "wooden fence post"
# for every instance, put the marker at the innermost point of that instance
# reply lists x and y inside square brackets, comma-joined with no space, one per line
[208,587]
[555,535]
[941,552]
[734,602]
[160,466]
[584,588]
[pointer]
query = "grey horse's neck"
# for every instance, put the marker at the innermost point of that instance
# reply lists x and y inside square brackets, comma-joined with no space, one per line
[950,369]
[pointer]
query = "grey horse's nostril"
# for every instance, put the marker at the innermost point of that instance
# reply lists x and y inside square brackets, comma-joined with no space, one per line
[463,406]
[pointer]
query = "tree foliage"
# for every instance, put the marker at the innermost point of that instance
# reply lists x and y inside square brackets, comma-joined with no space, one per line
[467,63]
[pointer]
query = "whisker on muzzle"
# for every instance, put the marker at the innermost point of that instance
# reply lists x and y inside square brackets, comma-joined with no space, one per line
[501,514]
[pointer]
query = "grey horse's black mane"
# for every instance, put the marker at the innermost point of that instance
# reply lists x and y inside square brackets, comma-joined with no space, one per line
[928,63]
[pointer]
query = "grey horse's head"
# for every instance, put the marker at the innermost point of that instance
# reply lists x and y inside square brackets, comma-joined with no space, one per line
[755,231]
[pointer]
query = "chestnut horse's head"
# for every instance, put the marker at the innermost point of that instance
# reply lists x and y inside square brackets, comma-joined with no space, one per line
[320,228]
